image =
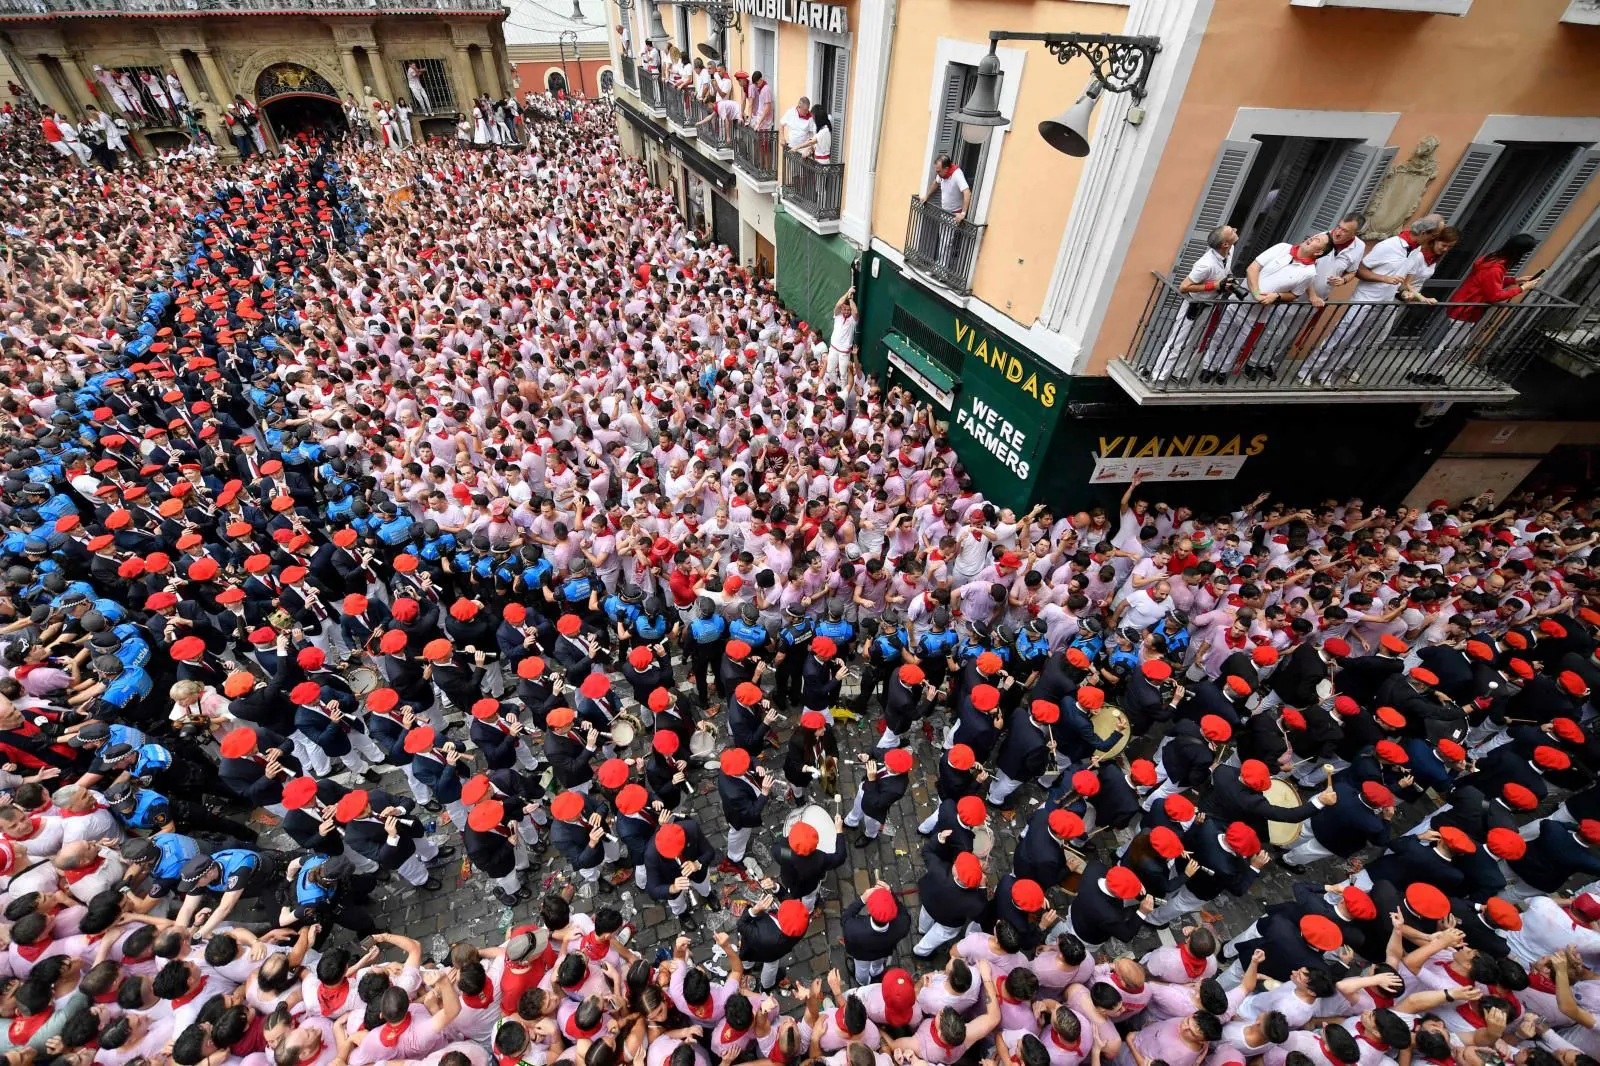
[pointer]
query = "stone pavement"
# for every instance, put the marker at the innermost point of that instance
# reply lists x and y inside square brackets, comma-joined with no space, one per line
[465,909]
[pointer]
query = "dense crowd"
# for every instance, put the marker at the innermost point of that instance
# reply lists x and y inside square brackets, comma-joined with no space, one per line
[478,466]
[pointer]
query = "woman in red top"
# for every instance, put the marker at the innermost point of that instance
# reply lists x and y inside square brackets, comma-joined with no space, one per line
[1487,283]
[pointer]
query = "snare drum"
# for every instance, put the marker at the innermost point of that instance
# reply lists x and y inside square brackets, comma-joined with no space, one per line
[1108,721]
[624,728]
[703,746]
[1283,794]
[363,679]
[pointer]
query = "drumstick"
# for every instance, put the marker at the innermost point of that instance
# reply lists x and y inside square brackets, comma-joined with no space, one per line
[1327,768]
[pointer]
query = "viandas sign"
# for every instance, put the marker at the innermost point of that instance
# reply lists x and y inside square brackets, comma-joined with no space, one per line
[1005,414]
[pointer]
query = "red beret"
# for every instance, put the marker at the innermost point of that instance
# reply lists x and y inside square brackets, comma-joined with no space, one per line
[1293,719]
[1390,717]
[803,839]
[1571,683]
[1377,794]
[1156,670]
[1338,647]
[1027,895]
[1123,883]
[882,907]
[1359,904]
[1253,773]
[1216,729]
[735,762]
[1091,698]
[1425,676]
[961,757]
[1238,685]
[1346,706]
[1264,655]
[1242,840]
[1505,843]
[985,697]
[1389,751]
[671,838]
[567,806]
[1521,668]
[1503,913]
[1321,933]
[1165,843]
[968,870]
[1547,758]
[1519,797]
[1427,901]
[1390,642]
[1142,772]
[1086,783]
[970,810]
[1457,840]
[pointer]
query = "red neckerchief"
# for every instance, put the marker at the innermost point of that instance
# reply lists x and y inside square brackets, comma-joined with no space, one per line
[1361,1031]
[389,1034]
[483,998]
[1407,239]
[730,1034]
[507,1060]
[933,1031]
[1193,965]
[23,1028]
[1294,253]
[1540,983]
[33,830]
[1116,979]
[74,876]
[703,1010]
[32,952]
[193,992]
[1330,1056]
[576,1032]
[97,808]
[1055,1036]
[331,997]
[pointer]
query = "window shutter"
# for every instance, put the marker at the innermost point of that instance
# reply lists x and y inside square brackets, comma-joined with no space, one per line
[1216,199]
[1468,178]
[1338,191]
[837,98]
[1369,184]
[1562,193]
[955,80]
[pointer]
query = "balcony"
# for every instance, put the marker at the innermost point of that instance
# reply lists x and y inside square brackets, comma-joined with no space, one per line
[812,191]
[190,8]
[684,109]
[650,93]
[755,157]
[630,75]
[942,247]
[715,135]
[1238,352]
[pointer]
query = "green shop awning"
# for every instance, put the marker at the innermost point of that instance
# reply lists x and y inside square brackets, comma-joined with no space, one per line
[924,371]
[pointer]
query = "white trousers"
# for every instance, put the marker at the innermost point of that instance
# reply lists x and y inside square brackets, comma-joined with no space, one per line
[870,970]
[1359,326]
[1002,786]
[1174,350]
[1178,904]
[738,843]
[769,975]
[679,904]
[415,869]
[934,935]
[857,817]
[1309,849]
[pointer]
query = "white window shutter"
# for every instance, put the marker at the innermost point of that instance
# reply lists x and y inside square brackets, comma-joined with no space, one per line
[837,99]
[1469,176]
[1369,185]
[955,80]
[1337,192]
[1216,199]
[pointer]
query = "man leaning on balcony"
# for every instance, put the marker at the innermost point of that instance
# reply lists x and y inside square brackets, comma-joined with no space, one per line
[1205,287]
[1278,275]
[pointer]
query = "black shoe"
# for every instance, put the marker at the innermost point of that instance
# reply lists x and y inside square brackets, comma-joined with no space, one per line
[524,893]
[1250,373]
[434,806]
[506,898]
[861,840]
[370,774]
[432,884]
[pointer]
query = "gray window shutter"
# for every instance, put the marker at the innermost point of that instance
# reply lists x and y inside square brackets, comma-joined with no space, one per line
[838,98]
[955,81]
[1369,185]
[1468,178]
[1216,199]
[1562,193]
[1337,192]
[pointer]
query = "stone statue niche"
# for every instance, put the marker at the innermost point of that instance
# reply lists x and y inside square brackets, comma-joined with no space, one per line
[1400,192]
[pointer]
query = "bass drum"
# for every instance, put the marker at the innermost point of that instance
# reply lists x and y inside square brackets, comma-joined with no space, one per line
[818,818]
[624,728]
[1110,721]
[703,746]
[363,679]
[1283,794]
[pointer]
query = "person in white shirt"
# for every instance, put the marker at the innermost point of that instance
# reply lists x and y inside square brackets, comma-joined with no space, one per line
[799,128]
[1278,275]
[841,342]
[1395,267]
[1345,251]
[955,195]
[1204,278]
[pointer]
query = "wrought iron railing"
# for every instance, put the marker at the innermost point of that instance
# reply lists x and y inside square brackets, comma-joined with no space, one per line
[716,132]
[942,246]
[756,152]
[813,187]
[650,90]
[1229,342]
[630,73]
[684,109]
[230,7]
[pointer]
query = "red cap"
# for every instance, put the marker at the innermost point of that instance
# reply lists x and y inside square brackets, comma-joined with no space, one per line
[1425,676]
[203,569]
[405,609]
[311,658]
[1571,683]
[1477,649]
[968,870]
[793,918]
[567,806]
[1359,904]
[666,742]
[961,757]
[595,685]
[239,743]
[1519,797]
[1503,913]
[1253,773]
[632,799]
[803,839]
[1505,843]
[898,760]
[305,692]
[1264,655]
[1389,751]
[486,816]
[641,657]
[1589,830]
[1391,643]
[985,697]
[531,668]
[560,717]
[1426,901]
[1242,840]
[485,709]
[1123,883]
[911,674]
[1321,933]
[670,840]
[382,700]
[1451,751]
[971,811]
[1293,719]
[735,761]
[737,649]
[438,650]
[1142,772]
[298,792]
[811,720]
[464,610]
[476,789]
[351,805]
[824,648]
[420,739]
[514,613]
[1390,717]
[1346,706]
[612,774]
[1457,840]
[1547,758]
[1568,730]
[1377,794]
[1165,843]
[1338,647]
[568,625]
[1044,711]
[989,664]
[1076,659]
[1086,783]
[1027,895]
[881,905]
[1091,698]
[1238,686]
[660,699]
[1216,729]
[1179,808]
[186,649]
[749,694]
[1156,670]
[1551,628]
[1065,824]
[393,642]
[1520,667]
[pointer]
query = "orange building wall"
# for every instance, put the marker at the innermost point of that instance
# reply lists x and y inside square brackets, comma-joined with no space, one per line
[531,75]
[1444,75]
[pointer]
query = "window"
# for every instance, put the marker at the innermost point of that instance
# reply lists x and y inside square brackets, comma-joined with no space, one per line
[682,14]
[1502,188]
[831,81]
[971,158]
[1274,188]
[428,84]
[153,98]
[764,53]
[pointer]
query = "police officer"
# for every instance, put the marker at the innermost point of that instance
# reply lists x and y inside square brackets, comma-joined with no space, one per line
[793,641]
[235,873]
[837,628]
[327,892]
[886,651]
[150,811]
[707,636]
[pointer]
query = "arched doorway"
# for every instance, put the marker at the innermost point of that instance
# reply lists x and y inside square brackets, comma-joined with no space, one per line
[298,100]
[555,81]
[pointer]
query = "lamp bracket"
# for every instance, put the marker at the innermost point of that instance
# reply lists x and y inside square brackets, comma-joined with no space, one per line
[1121,64]
[721,13]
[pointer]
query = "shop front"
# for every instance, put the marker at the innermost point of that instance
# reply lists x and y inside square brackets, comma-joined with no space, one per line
[1000,403]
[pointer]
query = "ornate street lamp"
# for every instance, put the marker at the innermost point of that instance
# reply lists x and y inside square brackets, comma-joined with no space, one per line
[1120,64]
